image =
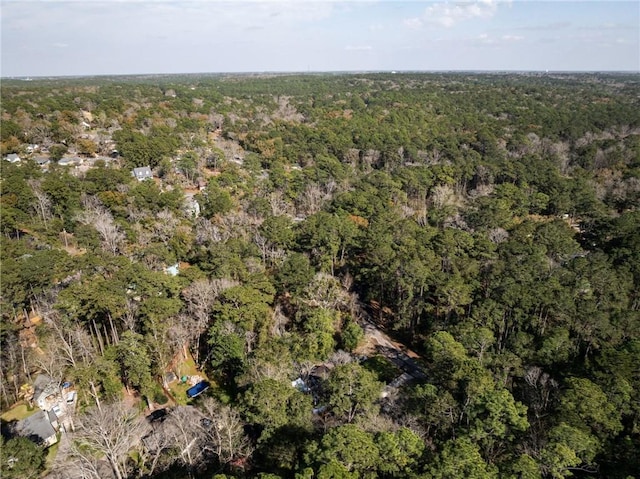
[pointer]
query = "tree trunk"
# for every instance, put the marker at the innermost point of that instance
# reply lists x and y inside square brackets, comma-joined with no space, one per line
[95,395]
[98,337]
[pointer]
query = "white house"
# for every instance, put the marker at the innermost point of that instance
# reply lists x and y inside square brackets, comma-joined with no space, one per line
[45,392]
[142,173]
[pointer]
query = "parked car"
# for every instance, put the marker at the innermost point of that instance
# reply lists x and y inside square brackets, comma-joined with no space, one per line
[158,415]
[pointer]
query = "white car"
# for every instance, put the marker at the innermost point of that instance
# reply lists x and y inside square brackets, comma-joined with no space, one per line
[71,397]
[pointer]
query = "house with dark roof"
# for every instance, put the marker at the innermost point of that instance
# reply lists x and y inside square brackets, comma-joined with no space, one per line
[37,428]
[142,173]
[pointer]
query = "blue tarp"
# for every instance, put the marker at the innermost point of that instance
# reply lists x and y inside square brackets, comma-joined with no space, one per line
[198,389]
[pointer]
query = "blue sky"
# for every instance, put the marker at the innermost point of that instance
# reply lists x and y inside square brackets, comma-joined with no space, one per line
[89,37]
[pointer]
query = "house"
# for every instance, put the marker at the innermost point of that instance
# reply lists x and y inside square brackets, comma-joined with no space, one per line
[70,161]
[37,428]
[12,158]
[31,148]
[45,392]
[41,160]
[142,173]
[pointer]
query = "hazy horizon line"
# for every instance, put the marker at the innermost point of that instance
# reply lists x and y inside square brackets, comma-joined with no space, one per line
[314,72]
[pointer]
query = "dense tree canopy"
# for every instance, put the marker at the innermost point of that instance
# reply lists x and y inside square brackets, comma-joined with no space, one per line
[410,275]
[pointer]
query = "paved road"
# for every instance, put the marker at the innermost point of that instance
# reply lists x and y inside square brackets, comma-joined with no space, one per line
[394,351]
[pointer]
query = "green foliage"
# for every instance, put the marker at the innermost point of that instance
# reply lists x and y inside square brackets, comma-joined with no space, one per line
[247,308]
[352,391]
[215,200]
[461,459]
[135,362]
[56,152]
[227,350]
[294,274]
[585,405]
[272,404]
[21,458]
[317,328]
[145,150]
[400,452]
[344,449]
[351,336]
[487,222]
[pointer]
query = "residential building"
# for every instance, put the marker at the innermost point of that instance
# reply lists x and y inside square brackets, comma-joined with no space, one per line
[142,173]
[38,428]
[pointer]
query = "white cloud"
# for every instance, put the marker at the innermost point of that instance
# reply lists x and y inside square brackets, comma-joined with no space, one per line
[413,23]
[358,48]
[547,26]
[512,38]
[448,14]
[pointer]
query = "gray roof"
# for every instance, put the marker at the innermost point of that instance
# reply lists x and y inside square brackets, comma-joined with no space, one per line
[53,417]
[36,427]
[43,384]
[69,161]
[142,172]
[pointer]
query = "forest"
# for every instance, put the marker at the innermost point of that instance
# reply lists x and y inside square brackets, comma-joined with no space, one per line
[425,276]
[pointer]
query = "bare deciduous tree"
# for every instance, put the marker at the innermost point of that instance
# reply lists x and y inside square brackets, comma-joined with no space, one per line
[94,214]
[225,432]
[315,196]
[71,342]
[157,452]
[199,297]
[42,203]
[49,363]
[325,291]
[111,431]
[279,205]
[184,428]
[165,226]
[279,321]
[207,232]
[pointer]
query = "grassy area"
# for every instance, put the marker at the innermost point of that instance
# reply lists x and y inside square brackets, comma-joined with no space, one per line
[179,392]
[178,389]
[19,412]
[188,368]
[51,455]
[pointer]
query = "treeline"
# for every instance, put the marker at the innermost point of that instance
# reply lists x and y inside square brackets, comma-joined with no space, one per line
[488,222]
